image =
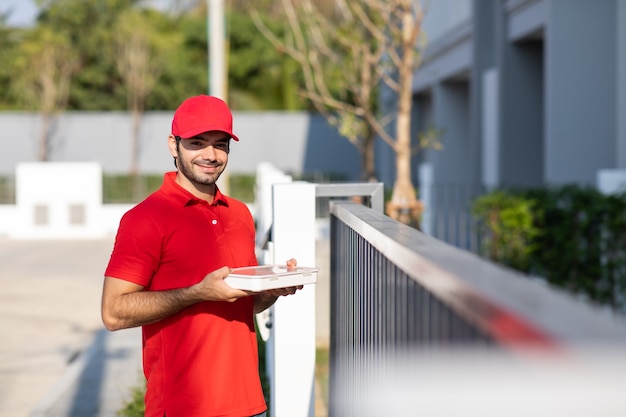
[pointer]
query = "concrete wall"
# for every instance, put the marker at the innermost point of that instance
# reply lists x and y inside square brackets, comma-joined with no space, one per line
[521,112]
[580,89]
[545,90]
[442,16]
[59,200]
[527,93]
[293,142]
[620,110]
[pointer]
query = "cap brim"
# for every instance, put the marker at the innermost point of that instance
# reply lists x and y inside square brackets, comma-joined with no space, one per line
[198,130]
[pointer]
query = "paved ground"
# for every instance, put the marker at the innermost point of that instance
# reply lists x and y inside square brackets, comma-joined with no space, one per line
[56,360]
[50,321]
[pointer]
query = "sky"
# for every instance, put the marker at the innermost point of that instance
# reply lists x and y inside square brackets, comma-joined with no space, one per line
[22,12]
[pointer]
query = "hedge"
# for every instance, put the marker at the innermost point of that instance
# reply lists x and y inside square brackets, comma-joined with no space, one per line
[573,236]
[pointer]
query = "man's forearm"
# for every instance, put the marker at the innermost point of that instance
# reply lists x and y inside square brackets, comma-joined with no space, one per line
[145,307]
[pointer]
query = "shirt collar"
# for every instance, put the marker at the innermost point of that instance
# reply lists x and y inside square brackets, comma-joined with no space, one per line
[183,197]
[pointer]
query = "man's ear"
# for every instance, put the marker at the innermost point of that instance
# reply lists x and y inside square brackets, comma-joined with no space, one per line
[171,143]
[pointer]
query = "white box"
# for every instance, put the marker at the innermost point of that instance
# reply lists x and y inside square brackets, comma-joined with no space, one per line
[266,277]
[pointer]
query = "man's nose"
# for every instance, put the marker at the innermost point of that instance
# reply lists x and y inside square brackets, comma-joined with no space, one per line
[209,153]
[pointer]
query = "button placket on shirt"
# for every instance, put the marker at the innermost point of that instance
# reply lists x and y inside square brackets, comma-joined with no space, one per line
[221,239]
[215,221]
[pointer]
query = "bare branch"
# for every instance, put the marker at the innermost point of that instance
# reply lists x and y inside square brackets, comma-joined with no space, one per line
[346,55]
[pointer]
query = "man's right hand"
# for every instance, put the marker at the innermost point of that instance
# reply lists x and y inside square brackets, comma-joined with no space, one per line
[213,287]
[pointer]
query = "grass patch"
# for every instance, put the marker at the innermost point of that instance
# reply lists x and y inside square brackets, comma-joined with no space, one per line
[7,190]
[135,407]
[322,371]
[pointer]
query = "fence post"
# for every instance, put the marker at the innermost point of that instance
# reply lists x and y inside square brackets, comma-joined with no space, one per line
[292,341]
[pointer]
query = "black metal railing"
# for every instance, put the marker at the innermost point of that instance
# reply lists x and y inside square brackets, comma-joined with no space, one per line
[396,290]
[450,214]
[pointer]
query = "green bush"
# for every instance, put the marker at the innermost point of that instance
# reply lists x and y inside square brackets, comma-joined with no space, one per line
[7,190]
[124,188]
[574,237]
[242,187]
[506,228]
[583,247]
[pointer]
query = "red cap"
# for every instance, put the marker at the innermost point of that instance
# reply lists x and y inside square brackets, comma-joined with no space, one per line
[201,114]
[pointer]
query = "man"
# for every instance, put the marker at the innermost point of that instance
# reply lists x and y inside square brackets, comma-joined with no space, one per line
[166,274]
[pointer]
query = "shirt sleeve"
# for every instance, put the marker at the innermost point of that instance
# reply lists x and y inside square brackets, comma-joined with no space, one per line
[137,249]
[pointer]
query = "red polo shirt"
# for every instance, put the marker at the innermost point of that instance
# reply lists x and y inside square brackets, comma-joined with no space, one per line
[202,361]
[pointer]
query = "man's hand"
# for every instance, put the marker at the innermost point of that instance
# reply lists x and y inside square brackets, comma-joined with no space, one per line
[213,287]
[265,299]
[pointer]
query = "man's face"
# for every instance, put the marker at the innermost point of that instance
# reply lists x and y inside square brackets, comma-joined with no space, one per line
[203,158]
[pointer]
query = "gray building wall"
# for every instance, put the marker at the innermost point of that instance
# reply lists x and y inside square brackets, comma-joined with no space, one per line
[621,84]
[519,59]
[527,93]
[451,102]
[296,143]
[580,89]
[544,91]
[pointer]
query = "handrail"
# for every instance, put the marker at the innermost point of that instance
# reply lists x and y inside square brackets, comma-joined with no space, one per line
[372,190]
[509,308]
[419,327]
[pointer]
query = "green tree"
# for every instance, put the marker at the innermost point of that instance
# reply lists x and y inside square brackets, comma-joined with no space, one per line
[142,44]
[185,70]
[9,39]
[346,54]
[89,25]
[260,77]
[42,80]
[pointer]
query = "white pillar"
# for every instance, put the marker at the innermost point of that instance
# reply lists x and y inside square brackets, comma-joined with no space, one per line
[266,176]
[293,317]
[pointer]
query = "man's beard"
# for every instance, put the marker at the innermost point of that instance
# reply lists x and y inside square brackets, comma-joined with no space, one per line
[186,168]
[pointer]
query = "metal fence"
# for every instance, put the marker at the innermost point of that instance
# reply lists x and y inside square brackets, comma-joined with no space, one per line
[396,290]
[450,214]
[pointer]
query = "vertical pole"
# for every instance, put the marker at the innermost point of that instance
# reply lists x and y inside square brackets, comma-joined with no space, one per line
[426,196]
[217,78]
[217,65]
[293,317]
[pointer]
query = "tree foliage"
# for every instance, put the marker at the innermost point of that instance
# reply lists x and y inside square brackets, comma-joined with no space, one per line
[10,41]
[89,25]
[44,71]
[260,78]
[574,237]
[142,49]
